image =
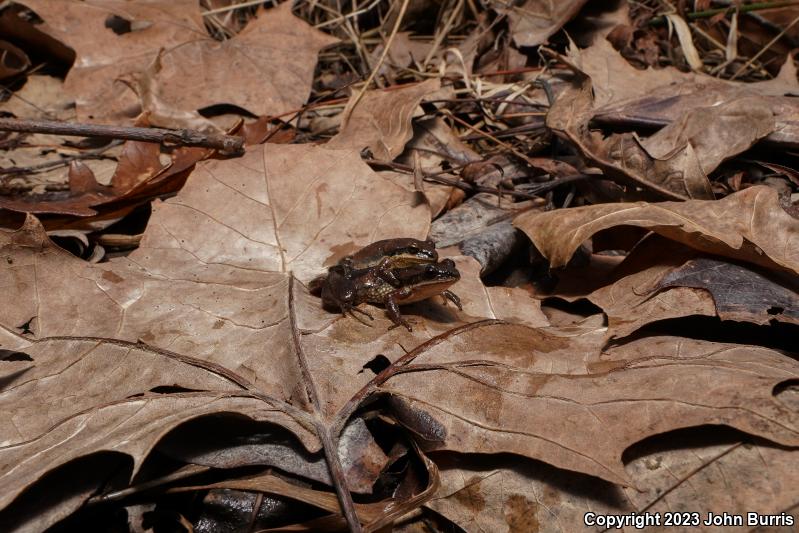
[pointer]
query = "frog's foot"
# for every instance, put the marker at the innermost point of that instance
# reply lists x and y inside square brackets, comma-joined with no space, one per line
[452,297]
[352,310]
[402,322]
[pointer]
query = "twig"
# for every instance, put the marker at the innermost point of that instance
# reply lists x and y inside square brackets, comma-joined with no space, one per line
[766,47]
[96,153]
[224,143]
[442,32]
[508,147]
[536,189]
[231,7]
[746,8]
[117,495]
[383,55]
[510,132]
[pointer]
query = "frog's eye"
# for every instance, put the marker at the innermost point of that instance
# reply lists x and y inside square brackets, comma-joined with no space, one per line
[431,269]
[413,249]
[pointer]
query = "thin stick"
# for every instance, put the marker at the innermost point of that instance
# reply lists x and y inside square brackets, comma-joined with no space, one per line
[763,50]
[469,187]
[383,56]
[746,8]
[225,143]
[442,32]
[96,153]
[231,7]
[508,147]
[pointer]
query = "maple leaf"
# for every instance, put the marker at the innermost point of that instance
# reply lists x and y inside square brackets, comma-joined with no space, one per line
[272,59]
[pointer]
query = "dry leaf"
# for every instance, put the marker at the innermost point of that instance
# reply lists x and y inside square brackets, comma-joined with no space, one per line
[749,225]
[204,347]
[614,80]
[501,494]
[40,97]
[757,477]
[155,111]
[496,494]
[139,299]
[139,175]
[404,52]
[272,484]
[715,133]
[272,59]
[381,121]
[535,21]
[686,41]
[437,145]
[509,399]
[674,161]
[739,292]
[226,442]
[662,279]
[628,96]
[631,300]
[103,55]
[618,84]
[204,318]
[504,303]
[621,156]
[12,60]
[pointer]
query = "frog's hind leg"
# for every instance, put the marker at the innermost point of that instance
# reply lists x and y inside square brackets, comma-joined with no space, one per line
[394,314]
[316,285]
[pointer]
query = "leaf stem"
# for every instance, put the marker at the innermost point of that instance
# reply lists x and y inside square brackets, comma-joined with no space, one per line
[326,436]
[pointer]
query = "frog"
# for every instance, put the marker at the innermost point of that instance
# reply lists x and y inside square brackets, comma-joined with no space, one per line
[384,256]
[389,254]
[346,288]
[398,252]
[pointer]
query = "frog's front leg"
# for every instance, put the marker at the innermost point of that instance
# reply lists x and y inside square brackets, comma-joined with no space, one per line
[452,297]
[384,272]
[393,309]
[347,264]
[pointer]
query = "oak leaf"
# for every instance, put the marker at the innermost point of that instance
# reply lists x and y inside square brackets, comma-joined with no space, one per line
[210,316]
[749,225]
[502,494]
